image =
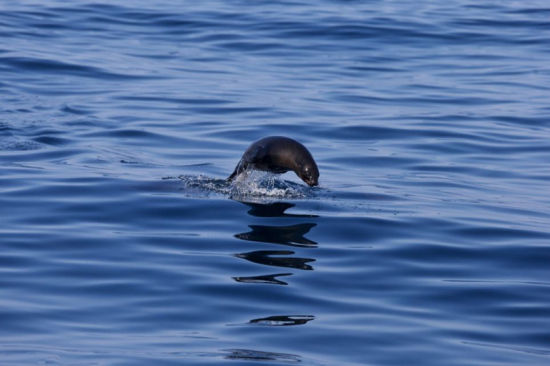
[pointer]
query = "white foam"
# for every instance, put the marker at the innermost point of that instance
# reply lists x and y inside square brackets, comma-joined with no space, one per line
[250,185]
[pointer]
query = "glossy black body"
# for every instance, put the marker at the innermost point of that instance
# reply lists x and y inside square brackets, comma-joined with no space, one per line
[279,154]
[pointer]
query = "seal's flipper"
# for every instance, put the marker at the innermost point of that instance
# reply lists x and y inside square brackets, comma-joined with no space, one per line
[233,175]
[241,167]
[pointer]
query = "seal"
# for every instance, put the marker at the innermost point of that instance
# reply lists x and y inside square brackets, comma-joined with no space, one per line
[278,154]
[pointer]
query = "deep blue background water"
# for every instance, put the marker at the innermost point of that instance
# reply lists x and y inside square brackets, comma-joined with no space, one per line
[428,242]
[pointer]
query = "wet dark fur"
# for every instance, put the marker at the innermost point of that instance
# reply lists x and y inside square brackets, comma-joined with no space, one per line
[278,154]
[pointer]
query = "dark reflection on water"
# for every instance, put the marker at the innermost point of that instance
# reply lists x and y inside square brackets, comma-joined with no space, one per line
[270,258]
[283,320]
[271,279]
[273,209]
[253,355]
[292,235]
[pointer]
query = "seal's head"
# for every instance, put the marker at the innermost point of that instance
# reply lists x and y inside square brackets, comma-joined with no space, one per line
[307,170]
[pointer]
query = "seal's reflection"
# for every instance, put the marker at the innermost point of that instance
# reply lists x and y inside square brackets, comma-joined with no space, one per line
[283,320]
[273,209]
[288,235]
[272,279]
[254,355]
[292,235]
[268,258]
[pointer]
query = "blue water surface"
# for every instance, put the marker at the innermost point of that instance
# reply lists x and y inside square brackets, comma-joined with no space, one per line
[427,242]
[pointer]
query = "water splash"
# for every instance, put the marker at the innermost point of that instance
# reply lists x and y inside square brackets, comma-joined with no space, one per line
[252,186]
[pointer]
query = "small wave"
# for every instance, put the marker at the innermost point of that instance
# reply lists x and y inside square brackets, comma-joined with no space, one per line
[44,66]
[19,145]
[254,186]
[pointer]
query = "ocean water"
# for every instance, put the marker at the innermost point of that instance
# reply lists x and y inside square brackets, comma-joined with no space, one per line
[426,243]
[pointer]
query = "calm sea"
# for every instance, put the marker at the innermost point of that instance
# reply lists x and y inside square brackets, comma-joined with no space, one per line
[427,242]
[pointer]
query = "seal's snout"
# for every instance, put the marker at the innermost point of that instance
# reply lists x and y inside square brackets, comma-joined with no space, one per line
[312,182]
